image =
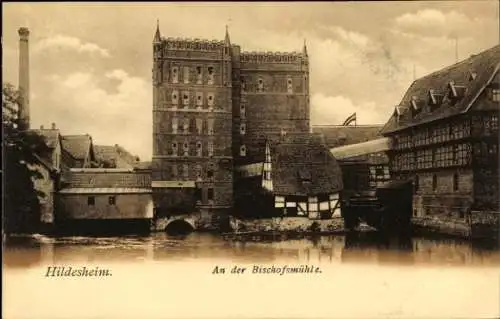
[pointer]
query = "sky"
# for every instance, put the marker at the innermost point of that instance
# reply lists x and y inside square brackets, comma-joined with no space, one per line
[90,63]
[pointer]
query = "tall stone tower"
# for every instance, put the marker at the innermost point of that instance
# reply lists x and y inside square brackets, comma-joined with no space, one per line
[24,78]
[192,125]
[273,99]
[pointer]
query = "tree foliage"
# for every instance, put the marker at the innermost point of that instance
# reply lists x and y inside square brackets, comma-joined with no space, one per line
[21,211]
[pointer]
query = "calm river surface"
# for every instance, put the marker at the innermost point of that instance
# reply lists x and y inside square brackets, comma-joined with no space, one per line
[159,276]
[352,248]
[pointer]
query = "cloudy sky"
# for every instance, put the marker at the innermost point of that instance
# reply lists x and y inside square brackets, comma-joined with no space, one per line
[91,63]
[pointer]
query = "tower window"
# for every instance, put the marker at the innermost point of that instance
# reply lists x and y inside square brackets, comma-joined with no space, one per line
[289,86]
[199,99]
[91,201]
[434,182]
[260,86]
[175,75]
[174,149]
[210,148]
[210,124]
[185,126]
[186,74]
[210,99]
[243,85]
[175,97]
[199,125]
[198,148]
[174,125]
[243,128]
[198,172]
[242,110]
[210,75]
[243,150]
[199,75]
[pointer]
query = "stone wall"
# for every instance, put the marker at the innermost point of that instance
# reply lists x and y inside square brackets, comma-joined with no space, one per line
[287,224]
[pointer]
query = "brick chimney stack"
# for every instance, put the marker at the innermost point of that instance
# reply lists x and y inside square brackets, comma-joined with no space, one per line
[24,78]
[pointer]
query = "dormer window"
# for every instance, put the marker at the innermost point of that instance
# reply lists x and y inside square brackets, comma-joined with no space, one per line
[456,91]
[435,99]
[415,109]
[472,75]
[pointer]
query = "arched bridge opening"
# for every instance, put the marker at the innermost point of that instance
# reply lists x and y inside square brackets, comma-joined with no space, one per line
[179,227]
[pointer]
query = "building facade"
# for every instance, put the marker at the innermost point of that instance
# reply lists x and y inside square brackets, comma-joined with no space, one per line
[445,135]
[104,200]
[213,108]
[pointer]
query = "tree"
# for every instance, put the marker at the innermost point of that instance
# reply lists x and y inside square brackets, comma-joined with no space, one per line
[21,211]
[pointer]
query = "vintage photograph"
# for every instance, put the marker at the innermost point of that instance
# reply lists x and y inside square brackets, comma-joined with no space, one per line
[251,159]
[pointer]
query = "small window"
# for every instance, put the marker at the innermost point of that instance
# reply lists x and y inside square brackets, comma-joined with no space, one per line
[434,182]
[186,74]
[243,128]
[175,97]
[210,148]
[91,201]
[174,149]
[210,75]
[242,110]
[210,99]
[260,87]
[186,149]
[210,173]
[199,75]
[416,182]
[111,200]
[243,85]
[175,75]
[199,99]
[198,173]
[289,86]
[210,128]
[174,125]
[243,150]
[455,182]
[185,98]
[210,194]
[198,148]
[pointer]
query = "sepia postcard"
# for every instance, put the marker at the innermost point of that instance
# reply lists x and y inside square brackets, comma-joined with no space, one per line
[251,159]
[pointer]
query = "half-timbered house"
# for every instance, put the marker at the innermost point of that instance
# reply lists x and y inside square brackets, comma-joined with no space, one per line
[445,138]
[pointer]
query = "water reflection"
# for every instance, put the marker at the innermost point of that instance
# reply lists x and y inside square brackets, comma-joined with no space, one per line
[21,252]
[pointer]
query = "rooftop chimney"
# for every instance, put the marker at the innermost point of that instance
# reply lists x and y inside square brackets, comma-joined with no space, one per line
[24,78]
[41,127]
[53,126]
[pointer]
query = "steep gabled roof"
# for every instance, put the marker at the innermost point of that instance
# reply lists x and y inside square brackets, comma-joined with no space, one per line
[458,87]
[78,146]
[106,178]
[338,135]
[302,165]
[116,153]
[51,138]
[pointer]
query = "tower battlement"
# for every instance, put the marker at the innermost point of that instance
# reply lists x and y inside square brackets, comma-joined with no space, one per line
[272,57]
[192,44]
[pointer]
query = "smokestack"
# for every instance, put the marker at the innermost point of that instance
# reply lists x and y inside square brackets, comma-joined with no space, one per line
[24,78]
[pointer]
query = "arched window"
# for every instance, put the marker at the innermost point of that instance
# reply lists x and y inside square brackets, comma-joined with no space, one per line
[243,150]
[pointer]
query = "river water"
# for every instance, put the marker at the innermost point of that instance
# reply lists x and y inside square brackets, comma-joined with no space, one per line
[161,276]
